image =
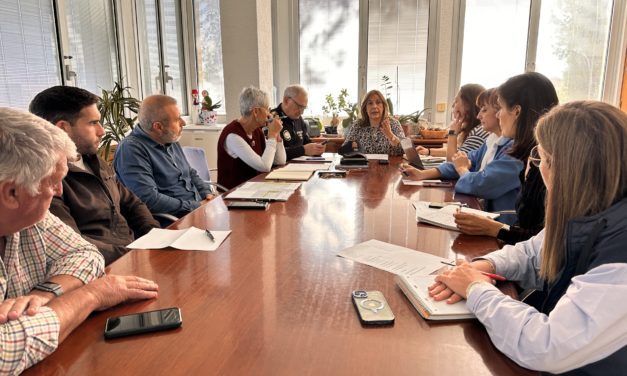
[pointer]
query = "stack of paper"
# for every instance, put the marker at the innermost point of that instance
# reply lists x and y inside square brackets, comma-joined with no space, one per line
[192,238]
[431,162]
[296,171]
[253,190]
[416,290]
[420,182]
[444,217]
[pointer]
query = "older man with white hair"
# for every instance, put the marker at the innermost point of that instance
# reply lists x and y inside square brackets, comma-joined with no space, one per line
[50,277]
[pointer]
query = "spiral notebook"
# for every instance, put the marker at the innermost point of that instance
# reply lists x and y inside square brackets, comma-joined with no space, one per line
[415,288]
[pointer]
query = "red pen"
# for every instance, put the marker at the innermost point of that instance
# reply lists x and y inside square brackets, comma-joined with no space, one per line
[495,277]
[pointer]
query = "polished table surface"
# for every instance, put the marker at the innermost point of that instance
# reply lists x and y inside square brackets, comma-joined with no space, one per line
[274,299]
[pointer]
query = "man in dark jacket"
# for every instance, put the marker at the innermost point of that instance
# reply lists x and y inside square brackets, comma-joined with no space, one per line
[93,203]
[295,134]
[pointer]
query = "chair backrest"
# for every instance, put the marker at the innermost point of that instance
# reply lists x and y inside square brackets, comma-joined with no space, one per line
[312,128]
[196,158]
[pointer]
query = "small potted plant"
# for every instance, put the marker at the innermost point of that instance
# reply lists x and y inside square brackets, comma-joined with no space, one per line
[331,108]
[118,109]
[208,114]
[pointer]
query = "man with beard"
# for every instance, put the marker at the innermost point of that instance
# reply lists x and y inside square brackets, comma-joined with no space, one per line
[93,202]
[151,163]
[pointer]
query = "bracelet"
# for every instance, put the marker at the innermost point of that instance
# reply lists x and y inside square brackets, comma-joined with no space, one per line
[429,151]
[452,133]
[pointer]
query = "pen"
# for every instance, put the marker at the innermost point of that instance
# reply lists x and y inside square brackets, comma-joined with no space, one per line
[210,235]
[404,172]
[495,277]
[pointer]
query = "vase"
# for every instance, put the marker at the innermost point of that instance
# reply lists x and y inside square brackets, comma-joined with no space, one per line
[207,117]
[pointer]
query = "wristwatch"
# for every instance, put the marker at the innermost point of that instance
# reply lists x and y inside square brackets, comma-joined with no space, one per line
[451,132]
[52,287]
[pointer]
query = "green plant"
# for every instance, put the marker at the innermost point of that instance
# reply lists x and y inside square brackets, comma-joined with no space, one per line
[386,85]
[331,106]
[118,109]
[414,117]
[207,104]
[342,104]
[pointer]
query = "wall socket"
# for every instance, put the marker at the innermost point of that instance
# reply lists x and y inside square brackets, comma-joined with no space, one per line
[440,107]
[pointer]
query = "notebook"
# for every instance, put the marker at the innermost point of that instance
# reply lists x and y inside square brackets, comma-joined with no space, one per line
[444,217]
[415,289]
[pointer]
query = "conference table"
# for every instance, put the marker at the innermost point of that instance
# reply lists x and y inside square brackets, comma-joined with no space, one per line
[275,299]
[335,141]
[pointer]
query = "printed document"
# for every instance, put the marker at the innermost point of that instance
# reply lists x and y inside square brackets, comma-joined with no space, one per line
[393,258]
[254,190]
[444,217]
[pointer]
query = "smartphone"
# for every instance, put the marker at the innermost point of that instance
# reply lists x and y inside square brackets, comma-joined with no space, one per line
[143,322]
[372,308]
[437,184]
[251,205]
[384,161]
[324,142]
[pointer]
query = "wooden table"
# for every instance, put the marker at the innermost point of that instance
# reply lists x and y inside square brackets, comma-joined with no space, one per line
[334,143]
[274,299]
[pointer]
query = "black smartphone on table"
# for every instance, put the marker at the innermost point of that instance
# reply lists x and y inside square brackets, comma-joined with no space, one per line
[143,322]
[372,308]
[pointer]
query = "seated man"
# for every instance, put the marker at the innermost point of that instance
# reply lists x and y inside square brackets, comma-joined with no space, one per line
[49,275]
[295,133]
[151,163]
[93,203]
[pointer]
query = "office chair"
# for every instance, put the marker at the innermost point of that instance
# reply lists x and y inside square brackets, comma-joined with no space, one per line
[196,158]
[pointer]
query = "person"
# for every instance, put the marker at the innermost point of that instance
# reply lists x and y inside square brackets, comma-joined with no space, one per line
[374,132]
[295,133]
[51,278]
[578,260]
[464,133]
[151,163]
[94,203]
[522,100]
[488,172]
[243,151]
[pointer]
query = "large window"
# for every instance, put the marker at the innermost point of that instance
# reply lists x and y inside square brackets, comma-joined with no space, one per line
[329,46]
[572,46]
[29,55]
[161,56]
[397,49]
[495,41]
[209,49]
[92,44]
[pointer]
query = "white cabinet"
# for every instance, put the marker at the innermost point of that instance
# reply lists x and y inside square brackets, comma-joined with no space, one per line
[205,137]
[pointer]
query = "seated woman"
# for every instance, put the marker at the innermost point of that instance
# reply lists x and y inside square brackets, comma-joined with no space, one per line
[375,132]
[464,133]
[243,151]
[579,259]
[522,100]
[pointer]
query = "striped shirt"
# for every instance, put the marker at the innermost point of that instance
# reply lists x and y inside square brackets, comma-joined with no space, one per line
[31,256]
[475,139]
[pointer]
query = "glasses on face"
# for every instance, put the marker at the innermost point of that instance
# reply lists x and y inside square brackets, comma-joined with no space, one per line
[534,156]
[300,106]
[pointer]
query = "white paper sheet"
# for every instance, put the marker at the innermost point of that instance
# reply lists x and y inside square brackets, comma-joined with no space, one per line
[305,167]
[254,190]
[393,258]
[419,182]
[307,158]
[193,239]
[377,157]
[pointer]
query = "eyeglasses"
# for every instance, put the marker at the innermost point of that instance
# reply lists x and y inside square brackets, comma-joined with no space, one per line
[300,106]
[534,156]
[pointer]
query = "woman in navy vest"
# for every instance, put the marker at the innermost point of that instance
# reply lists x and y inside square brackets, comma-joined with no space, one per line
[579,260]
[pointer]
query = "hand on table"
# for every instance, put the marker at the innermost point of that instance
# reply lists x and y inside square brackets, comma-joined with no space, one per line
[112,290]
[314,148]
[473,224]
[14,308]
[422,150]
[452,284]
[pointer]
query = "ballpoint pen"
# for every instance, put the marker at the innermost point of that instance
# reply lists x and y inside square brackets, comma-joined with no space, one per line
[210,235]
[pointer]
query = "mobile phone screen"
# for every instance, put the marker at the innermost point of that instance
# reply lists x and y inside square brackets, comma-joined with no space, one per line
[143,322]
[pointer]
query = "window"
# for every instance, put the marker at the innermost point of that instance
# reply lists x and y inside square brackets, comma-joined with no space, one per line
[92,44]
[160,40]
[209,49]
[329,46]
[572,46]
[29,57]
[397,48]
[495,41]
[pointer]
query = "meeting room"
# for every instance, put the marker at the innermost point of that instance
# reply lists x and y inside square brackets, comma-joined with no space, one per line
[335,187]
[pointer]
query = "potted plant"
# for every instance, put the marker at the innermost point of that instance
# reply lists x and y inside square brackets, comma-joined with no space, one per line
[351,109]
[331,108]
[411,122]
[118,109]
[386,85]
[208,114]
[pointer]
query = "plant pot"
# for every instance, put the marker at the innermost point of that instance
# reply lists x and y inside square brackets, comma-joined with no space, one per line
[207,117]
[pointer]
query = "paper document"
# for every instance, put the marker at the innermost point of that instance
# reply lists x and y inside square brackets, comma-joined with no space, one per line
[289,175]
[193,239]
[254,190]
[377,157]
[304,167]
[393,258]
[444,217]
[419,182]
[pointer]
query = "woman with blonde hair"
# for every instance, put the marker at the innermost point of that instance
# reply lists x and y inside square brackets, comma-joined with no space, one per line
[579,260]
[375,132]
